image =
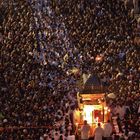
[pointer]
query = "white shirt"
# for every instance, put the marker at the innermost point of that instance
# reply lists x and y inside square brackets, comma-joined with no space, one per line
[107,130]
[85,131]
[56,137]
[71,137]
[98,133]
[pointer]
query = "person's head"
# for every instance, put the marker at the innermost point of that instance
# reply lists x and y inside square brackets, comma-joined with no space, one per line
[99,124]
[85,121]
[108,121]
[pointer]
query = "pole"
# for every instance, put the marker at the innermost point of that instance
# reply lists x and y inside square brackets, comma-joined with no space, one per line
[103,113]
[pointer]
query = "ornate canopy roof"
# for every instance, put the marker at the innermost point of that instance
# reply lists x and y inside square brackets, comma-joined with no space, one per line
[93,86]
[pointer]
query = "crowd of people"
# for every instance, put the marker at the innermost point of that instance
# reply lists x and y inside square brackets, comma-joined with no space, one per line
[43,42]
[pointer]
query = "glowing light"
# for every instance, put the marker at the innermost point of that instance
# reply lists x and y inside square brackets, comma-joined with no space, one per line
[89,99]
[106,108]
[98,58]
[88,113]
[97,120]
[74,70]
[101,124]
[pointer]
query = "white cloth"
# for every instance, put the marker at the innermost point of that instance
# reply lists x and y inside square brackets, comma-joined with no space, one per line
[107,130]
[98,133]
[71,137]
[56,137]
[85,131]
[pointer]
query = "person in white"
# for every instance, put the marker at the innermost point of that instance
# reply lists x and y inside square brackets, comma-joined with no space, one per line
[98,132]
[85,131]
[71,137]
[107,130]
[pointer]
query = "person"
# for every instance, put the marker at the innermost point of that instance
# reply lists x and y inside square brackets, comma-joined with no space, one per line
[85,131]
[98,133]
[119,123]
[107,130]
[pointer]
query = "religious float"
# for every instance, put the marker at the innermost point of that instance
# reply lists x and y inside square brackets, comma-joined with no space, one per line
[92,105]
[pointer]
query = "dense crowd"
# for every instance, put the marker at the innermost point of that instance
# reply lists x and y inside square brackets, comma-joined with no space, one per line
[43,42]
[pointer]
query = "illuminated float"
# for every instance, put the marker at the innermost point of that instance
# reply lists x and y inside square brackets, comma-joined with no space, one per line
[92,104]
